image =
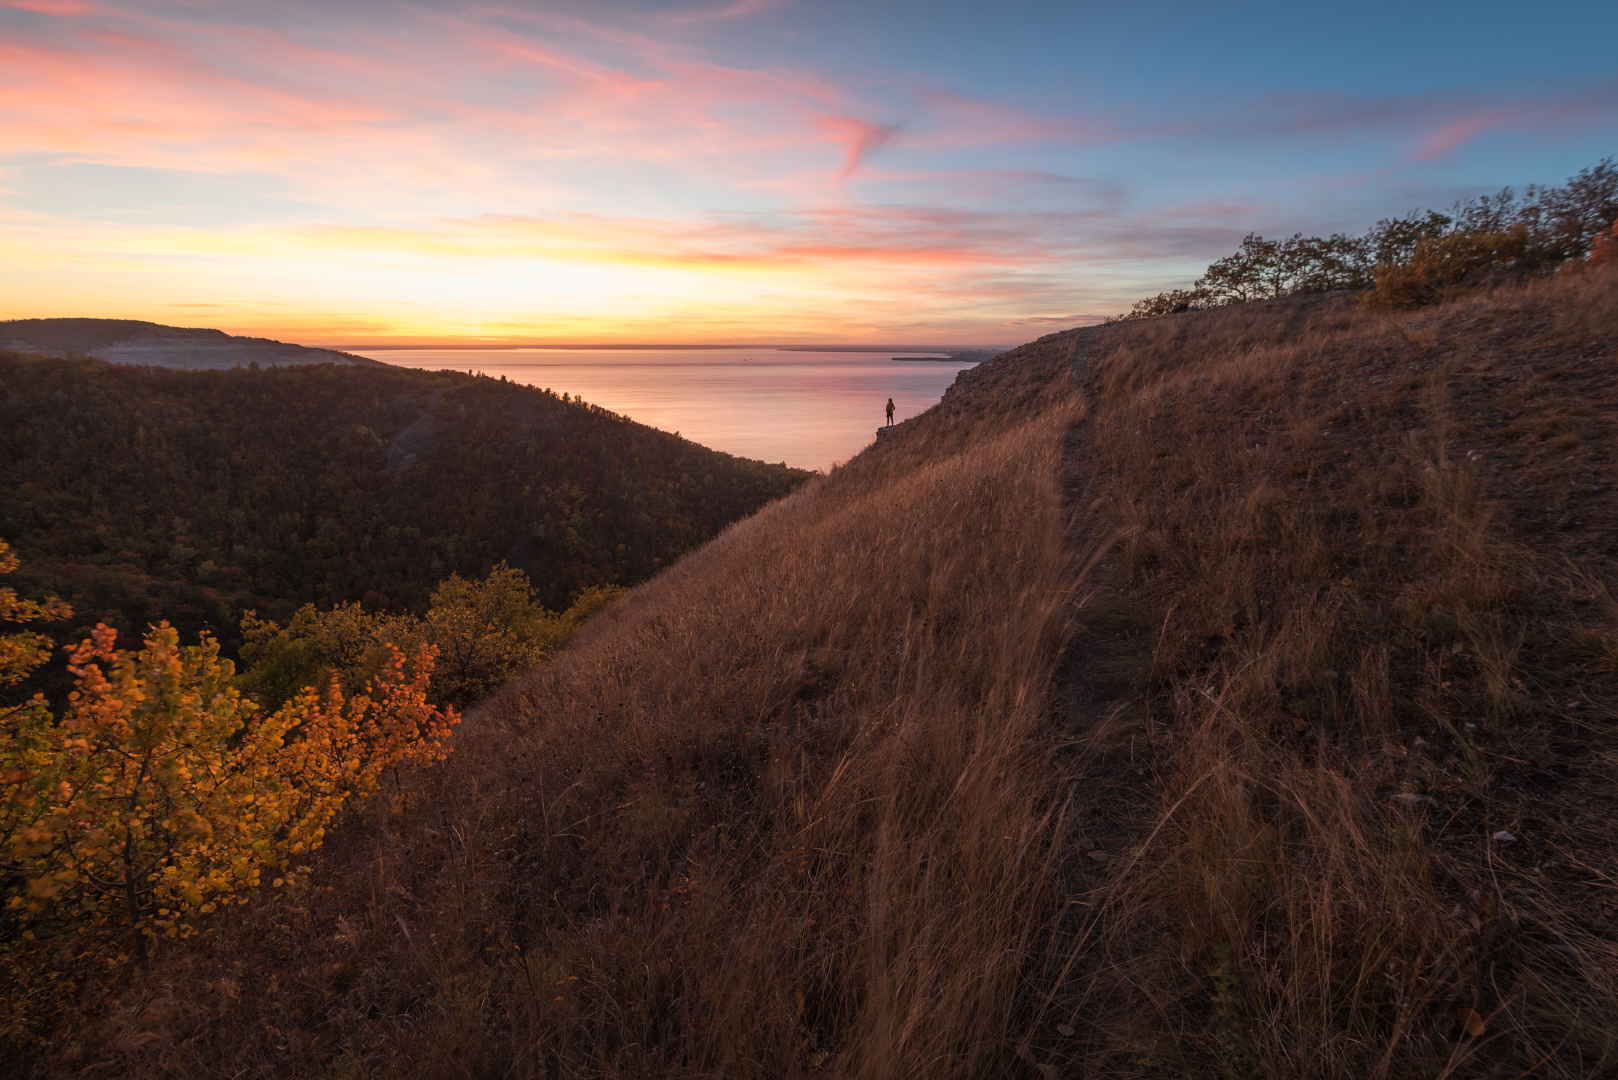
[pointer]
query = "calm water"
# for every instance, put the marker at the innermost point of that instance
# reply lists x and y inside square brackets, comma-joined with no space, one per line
[808,409]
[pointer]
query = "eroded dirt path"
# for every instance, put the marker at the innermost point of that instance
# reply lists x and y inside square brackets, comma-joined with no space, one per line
[1104,663]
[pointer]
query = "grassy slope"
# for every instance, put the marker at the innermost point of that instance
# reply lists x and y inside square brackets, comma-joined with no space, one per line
[774,807]
[827,797]
[1364,569]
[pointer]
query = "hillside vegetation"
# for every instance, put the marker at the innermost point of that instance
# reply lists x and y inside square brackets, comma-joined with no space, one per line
[1422,257]
[1227,694]
[1359,636]
[141,494]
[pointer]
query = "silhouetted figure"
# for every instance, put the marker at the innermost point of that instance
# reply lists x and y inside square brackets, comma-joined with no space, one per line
[890,412]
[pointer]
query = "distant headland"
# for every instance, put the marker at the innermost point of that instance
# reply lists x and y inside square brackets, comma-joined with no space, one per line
[130,341]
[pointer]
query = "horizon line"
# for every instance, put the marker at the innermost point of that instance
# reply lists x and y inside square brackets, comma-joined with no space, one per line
[627,347]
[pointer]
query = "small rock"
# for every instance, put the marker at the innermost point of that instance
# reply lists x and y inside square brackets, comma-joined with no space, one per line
[1504,837]
[1410,798]
[1099,856]
[1419,743]
[1065,1030]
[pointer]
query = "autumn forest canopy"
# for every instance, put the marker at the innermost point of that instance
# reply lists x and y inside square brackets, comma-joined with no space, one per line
[376,546]
[147,494]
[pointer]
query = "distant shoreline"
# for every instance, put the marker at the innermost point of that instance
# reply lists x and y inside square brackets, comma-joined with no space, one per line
[666,348]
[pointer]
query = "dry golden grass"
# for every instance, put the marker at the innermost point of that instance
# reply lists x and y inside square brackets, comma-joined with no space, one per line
[1372,610]
[786,810]
[895,779]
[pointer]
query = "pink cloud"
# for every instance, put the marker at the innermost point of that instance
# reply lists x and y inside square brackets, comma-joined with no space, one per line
[1065,320]
[486,133]
[220,97]
[67,9]
[859,137]
[737,9]
[1448,137]
[959,251]
[957,120]
[1433,124]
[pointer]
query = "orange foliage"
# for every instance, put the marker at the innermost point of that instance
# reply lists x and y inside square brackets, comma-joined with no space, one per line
[162,792]
[1442,267]
[1605,248]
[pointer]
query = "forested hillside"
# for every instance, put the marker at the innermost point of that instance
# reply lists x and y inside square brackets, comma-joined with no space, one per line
[140,494]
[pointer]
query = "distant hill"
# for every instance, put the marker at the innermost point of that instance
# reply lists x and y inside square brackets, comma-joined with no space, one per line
[140,494]
[128,341]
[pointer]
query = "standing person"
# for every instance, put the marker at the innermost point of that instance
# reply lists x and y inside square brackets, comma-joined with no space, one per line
[890,412]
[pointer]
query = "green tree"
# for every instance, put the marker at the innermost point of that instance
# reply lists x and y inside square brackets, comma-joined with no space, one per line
[1392,241]
[487,630]
[315,646]
[484,632]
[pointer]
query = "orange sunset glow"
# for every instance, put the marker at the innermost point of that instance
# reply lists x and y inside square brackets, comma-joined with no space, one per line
[745,172]
[808,539]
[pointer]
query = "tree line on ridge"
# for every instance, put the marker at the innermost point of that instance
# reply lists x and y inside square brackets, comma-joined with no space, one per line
[1422,257]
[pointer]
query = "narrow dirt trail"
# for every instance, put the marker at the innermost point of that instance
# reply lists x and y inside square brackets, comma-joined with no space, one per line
[1098,668]
[1094,694]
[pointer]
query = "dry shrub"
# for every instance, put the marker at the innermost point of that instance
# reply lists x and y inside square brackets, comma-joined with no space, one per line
[1441,268]
[1368,642]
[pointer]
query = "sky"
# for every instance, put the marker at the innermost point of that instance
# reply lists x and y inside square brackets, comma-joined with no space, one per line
[371,172]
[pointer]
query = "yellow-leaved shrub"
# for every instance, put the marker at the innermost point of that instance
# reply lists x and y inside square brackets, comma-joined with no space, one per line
[162,792]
